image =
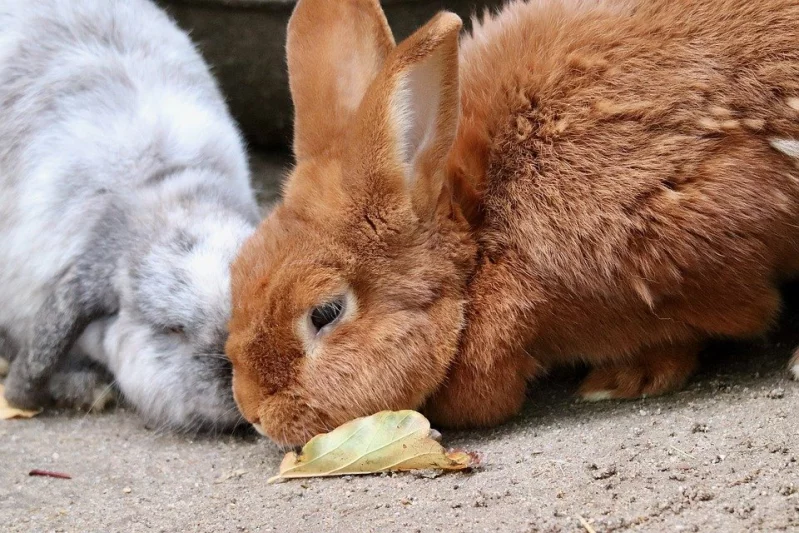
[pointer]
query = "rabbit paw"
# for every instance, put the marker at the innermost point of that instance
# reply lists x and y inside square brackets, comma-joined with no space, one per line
[651,374]
[463,405]
[794,365]
[85,389]
[22,392]
[103,397]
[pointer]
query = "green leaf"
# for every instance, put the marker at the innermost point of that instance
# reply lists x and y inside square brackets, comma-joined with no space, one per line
[386,441]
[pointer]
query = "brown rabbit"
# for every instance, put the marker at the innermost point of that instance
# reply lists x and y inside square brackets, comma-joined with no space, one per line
[620,185]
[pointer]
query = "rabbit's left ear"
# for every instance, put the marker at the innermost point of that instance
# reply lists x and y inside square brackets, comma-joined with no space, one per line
[408,120]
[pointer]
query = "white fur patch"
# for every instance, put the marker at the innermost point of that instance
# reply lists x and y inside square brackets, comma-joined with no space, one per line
[597,396]
[788,147]
[642,289]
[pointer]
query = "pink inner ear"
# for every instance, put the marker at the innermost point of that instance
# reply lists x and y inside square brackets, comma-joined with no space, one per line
[415,107]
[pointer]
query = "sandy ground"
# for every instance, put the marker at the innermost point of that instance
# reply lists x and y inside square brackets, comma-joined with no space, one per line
[719,456]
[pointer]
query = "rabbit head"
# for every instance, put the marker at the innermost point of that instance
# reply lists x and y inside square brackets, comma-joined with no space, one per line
[349,299]
[165,346]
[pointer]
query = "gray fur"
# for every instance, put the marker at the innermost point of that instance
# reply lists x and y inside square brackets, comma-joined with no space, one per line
[124,196]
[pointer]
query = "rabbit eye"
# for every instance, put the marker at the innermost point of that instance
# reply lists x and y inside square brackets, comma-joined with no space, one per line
[176,330]
[326,314]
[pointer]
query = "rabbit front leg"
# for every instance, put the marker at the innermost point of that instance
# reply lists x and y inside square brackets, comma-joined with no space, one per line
[64,315]
[80,383]
[487,382]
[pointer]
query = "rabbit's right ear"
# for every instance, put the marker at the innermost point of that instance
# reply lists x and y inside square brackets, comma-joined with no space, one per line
[335,48]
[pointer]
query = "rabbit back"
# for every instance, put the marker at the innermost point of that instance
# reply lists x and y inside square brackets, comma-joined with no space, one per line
[97,100]
[635,165]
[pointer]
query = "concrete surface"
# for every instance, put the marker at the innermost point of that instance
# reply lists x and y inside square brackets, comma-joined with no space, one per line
[244,42]
[719,456]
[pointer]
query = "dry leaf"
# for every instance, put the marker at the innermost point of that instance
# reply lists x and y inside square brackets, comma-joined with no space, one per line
[7,412]
[386,441]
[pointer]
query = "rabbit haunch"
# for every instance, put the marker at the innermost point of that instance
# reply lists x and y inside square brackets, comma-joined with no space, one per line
[124,196]
[619,186]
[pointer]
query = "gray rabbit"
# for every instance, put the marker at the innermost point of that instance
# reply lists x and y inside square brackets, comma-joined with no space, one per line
[124,196]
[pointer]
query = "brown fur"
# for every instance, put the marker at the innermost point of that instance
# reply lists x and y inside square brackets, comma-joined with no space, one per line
[613,195]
